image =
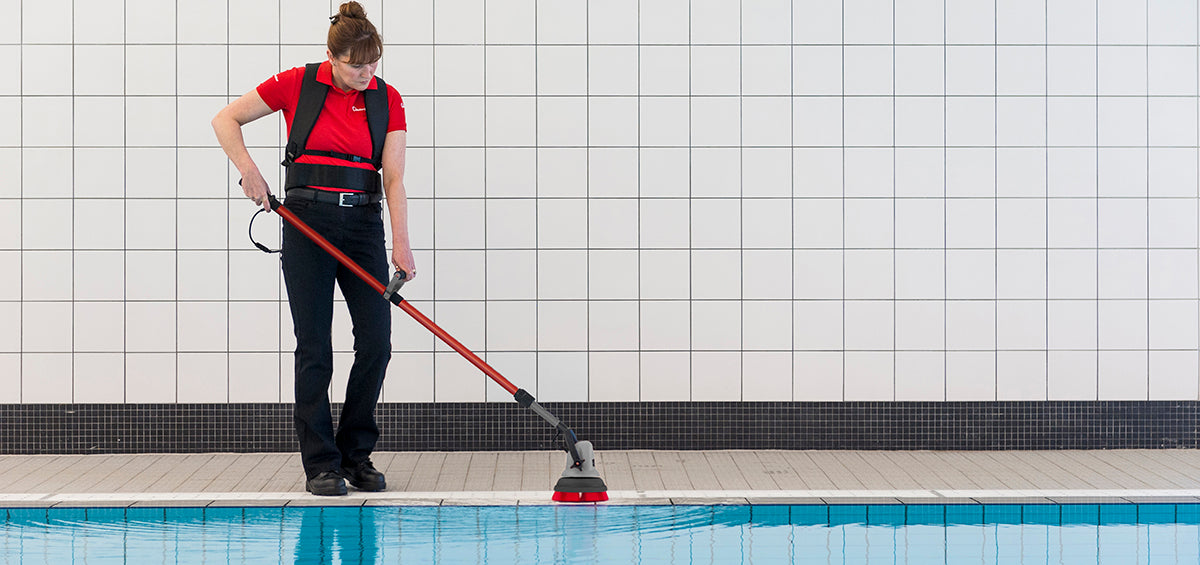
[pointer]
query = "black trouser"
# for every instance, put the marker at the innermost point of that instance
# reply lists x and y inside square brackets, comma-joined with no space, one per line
[309,273]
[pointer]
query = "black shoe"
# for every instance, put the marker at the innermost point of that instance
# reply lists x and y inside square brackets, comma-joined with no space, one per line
[328,483]
[363,476]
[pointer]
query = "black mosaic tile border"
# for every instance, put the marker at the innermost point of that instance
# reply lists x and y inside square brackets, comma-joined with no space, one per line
[190,428]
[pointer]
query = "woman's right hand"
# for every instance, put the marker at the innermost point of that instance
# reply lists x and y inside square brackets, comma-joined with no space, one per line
[256,189]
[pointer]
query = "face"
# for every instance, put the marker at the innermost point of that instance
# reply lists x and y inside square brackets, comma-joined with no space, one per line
[351,76]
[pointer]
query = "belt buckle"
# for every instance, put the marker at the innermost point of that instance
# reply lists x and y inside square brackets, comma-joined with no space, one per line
[342,200]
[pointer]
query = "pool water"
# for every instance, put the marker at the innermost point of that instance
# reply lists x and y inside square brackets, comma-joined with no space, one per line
[1074,533]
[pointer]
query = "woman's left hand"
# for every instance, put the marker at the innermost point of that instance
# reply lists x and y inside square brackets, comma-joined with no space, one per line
[402,260]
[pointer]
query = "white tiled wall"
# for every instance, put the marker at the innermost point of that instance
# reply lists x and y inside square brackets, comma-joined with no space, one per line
[628,200]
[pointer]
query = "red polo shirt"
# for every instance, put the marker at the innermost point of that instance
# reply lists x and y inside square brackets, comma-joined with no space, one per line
[342,125]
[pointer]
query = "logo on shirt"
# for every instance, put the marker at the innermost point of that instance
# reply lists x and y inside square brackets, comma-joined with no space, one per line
[357,109]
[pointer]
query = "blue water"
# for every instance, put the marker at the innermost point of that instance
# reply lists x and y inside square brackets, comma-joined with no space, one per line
[1121,534]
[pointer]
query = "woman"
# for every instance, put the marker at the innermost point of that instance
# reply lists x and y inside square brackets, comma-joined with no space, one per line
[333,186]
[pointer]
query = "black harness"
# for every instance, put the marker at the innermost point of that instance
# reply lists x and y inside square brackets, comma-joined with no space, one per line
[312,100]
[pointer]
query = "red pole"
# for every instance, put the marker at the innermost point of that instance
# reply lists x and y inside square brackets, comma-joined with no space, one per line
[403,304]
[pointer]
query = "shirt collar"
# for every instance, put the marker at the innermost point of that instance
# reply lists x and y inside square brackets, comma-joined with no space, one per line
[325,76]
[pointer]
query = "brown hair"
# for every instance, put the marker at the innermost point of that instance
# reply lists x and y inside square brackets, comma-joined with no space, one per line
[353,35]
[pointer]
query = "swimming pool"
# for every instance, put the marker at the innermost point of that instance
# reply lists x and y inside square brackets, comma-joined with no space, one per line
[1043,533]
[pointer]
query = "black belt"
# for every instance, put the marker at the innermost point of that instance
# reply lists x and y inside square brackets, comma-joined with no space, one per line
[346,199]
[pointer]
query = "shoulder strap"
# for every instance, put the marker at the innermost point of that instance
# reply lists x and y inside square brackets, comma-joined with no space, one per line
[312,100]
[377,119]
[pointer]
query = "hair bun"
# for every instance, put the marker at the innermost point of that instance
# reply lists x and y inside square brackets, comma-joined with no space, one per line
[352,10]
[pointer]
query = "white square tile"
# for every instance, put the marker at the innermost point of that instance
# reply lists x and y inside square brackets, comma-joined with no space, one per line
[1172,172]
[511,223]
[11,111]
[150,377]
[1071,375]
[1071,21]
[716,376]
[46,327]
[665,172]
[717,274]
[1021,70]
[867,22]
[203,224]
[10,287]
[254,377]
[971,223]
[46,275]
[562,22]
[869,223]
[1171,70]
[970,70]
[459,172]
[869,325]
[511,325]
[818,274]
[613,70]
[562,121]
[1122,223]
[1021,21]
[205,378]
[869,273]
[203,326]
[1121,71]
[1122,22]
[1071,121]
[44,223]
[718,223]
[459,121]
[919,21]
[251,275]
[303,22]
[459,275]
[254,327]
[562,377]
[817,23]
[458,21]
[98,378]
[665,376]
[1021,172]
[562,70]
[46,378]
[1020,222]
[45,121]
[713,21]
[612,274]
[664,325]
[613,121]
[970,325]
[609,22]
[919,122]
[562,223]
[1122,172]
[1020,121]
[767,172]
[1173,273]
[1071,172]
[1173,223]
[818,172]
[99,69]
[817,69]
[562,325]
[1070,70]
[1122,121]
[970,375]
[1173,324]
[1071,273]
[648,70]
[562,274]
[920,376]
[869,121]
[1173,375]
[150,327]
[99,121]
[509,21]
[766,69]
[1071,324]
[613,172]
[920,274]
[1020,375]
[1020,273]
[612,326]
[194,116]
[869,172]
[102,167]
[409,378]
[1170,22]
[664,223]
[970,172]
[817,325]
[1123,375]
[665,274]
[1172,122]
[970,121]
[1123,273]
[817,223]
[97,22]
[36,29]
[151,123]
[920,223]
[160,57]
[818,376]
[99,327]
[1071,222]
[410,69]
[767,326]
[970,274]
[459,224]
[203,275]
[616,377]
[515,172]
[457,380]
[99,275]
[510,69]
[766,21]
[716,325]
[664,122]
[767,222]
[817,122]
[205,21]
[715,69]
[870,376]
[1021,324]
[767,376]
[1123,324]
[920,325]
[10,159]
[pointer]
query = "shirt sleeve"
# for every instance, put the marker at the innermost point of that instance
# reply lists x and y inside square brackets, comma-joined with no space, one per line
[282,91]
[396,119]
